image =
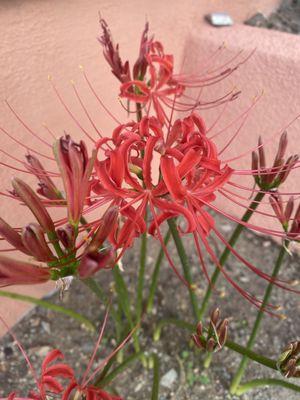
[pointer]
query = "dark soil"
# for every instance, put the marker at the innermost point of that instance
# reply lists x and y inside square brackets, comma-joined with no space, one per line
[42,330]
[285,19]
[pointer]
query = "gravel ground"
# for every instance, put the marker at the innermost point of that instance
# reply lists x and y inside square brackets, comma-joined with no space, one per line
[285,19]
[41,330]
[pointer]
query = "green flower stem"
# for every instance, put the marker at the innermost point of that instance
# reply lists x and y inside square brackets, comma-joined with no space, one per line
[232,241]
[155,385]
[97,290]
[141,276]
[185,266]
[255,383]
[154,278]
[123,295]
[124,302]
[229,344]
[55,242]
[207,360]
[119,369]
[50,306]
[242,367]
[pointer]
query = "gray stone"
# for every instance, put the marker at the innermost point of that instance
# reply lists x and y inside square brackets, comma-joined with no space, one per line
[169,378]
[257,20]
[219,19]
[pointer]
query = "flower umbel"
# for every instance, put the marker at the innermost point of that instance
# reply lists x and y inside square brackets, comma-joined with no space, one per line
[214,337]
[289,361]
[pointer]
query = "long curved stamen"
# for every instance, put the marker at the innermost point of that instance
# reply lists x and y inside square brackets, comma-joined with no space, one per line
[27,127]
[98,98]
[234,184]
[86,111]
[270,139]
[24,146]
[70,112]
[88,368]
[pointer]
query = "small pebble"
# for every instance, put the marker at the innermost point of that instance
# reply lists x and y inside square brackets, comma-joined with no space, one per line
[46,327]
[219,19]
[169,378]
[43,351]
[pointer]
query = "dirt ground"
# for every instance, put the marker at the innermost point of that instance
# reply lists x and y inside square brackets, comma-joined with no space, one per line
[41,329]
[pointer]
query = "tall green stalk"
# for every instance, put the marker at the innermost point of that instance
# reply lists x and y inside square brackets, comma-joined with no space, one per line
[255,383]
[185,266]
[155,385]
[141,277]
[50,306]
[155,274]
[242,367]
[226,253]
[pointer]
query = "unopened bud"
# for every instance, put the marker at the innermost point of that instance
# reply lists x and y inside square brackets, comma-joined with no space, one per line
[216,335]
[28,196]
[289,361]
[95,261]
[34,240]
[66,235]
[105,226]
[46,186]
[12,237]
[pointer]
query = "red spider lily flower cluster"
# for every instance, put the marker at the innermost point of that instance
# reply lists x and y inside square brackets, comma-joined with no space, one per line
[172,168]
[58,378]
[191,176]
[268,178]
[153,81]
[56,244]
[284,214]
[288,362]
[216,334]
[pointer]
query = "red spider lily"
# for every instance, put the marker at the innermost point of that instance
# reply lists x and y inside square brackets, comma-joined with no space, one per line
[271,178]
[192,171]
[58,379]
[283,211]
[46,186]
[75,168]
[33,202]
[92,262]
[191,176]
[61,252]
[284,214]
[111,54]
[160,86]
[154,82]
[48,381]
[13,272]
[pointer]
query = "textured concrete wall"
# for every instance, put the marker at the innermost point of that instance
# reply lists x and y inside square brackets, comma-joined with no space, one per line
[41,37]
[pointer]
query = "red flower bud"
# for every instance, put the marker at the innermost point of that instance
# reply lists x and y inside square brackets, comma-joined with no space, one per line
[92,262]
[13,272]
[35,243]
[28,196]
[67,236]
[46,186]
[75,168]
[106,225]
[9,234]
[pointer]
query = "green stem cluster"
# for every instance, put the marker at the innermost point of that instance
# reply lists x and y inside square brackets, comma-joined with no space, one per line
[243,365]
[226,253]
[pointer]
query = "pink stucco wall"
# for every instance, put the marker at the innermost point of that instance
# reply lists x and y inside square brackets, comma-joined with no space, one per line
[53,37]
